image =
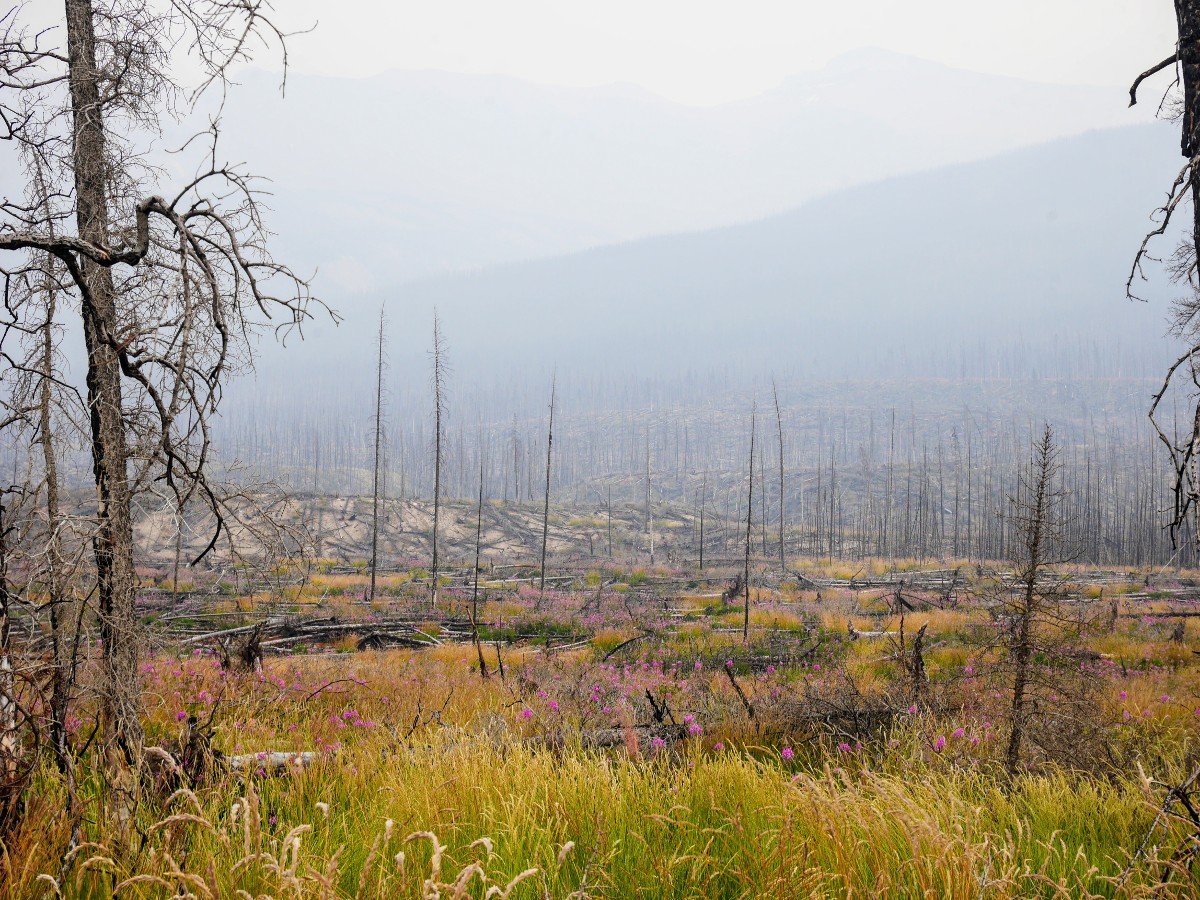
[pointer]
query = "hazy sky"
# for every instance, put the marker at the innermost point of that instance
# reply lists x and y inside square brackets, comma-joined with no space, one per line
[706,51]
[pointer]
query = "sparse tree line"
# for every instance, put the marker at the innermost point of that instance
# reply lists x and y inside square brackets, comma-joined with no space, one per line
[856,481]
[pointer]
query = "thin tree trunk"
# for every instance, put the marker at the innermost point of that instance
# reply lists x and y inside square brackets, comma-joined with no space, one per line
[11,738]
[1022,645]
[762,475]
[378,447]
[63,642]
[121,702]
[703,496]
[546,504]
[779,427]
[483,670]
[438,408]
[649,505]
[609,508]
[749,528]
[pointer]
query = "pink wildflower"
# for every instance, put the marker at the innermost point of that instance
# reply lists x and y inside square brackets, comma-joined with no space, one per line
[788,753]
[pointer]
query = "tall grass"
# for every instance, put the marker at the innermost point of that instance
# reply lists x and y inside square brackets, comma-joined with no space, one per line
[704,826]
[474,812]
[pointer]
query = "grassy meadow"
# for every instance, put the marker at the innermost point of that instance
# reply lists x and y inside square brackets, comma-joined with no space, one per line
[658,755]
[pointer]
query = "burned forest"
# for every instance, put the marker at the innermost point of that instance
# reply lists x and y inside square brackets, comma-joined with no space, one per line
[675,452]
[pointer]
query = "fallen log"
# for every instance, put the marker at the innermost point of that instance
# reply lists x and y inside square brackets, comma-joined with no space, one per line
[272,760]
[228,632]
[641,736]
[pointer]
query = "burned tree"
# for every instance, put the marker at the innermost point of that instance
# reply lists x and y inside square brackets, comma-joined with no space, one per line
[1182,102]
[169,286]
[749,530]
[546,503]
[375,481]
[1045,699]
[483,671]
[779,432]
[438,379]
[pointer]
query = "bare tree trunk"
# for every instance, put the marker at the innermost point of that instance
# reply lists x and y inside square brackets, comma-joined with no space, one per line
[378,445]
[10,727]
[749,529]
[1187,16]
[439,364]
[113,542]
[762,475]
[779,425]
[608,506]
[703,496]
[546,505]
[63,638]
[649,502]
[1027,610]
[832,499]
[483,670]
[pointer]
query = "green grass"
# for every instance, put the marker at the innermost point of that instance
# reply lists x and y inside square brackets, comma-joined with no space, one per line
[707,825]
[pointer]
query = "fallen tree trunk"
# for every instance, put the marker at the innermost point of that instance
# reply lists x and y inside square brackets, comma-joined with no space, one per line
[272,760]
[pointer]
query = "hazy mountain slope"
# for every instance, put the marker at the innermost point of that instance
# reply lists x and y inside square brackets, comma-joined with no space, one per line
[410,174]
[1030,244]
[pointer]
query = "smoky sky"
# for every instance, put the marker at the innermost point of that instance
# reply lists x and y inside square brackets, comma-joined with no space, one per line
[709,51]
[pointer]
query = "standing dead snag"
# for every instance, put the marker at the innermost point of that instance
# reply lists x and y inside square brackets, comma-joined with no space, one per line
[483,671]
[168,290]
[375,481]
[1039,533]
[749,529]
[779,429]
[546,504]
[11,737]
[1183,450]
[916,663]
[1047,700]
[649,501]
[439,400]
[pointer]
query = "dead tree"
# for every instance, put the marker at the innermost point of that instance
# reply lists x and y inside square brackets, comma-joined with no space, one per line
[546,503]
[11,736]
[242,653]
[1183,102]
[649,501]
[779,430]
[483,671]
[168,286]
[438,377]
[916,664]
[1047,701]
[375,481]
[749,530]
